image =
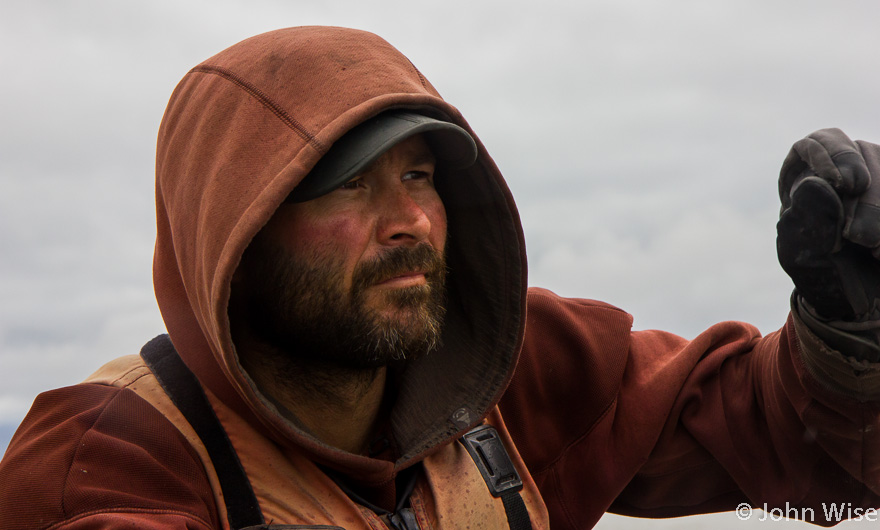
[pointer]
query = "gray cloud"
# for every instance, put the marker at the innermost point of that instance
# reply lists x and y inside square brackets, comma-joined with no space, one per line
[642,140]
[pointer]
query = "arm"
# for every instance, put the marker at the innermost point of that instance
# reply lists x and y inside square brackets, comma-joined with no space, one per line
[93,456]
[650,424]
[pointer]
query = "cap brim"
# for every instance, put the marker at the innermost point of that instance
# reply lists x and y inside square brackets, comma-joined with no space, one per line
[452,146]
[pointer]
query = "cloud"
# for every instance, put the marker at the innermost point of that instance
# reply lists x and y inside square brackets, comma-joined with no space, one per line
[674,262]
[642,140]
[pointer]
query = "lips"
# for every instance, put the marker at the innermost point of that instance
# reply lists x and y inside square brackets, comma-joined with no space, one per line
[404,278]
[408,278]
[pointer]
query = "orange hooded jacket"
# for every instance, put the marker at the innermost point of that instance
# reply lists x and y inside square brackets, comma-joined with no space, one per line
[595,416]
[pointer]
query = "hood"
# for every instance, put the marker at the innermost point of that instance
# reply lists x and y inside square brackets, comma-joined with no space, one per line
[240,131]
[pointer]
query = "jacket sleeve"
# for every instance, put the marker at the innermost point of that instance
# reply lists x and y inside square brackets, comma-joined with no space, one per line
[650,424]
[92,456]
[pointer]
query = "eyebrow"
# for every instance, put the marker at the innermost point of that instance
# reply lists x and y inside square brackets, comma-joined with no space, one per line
[418,160]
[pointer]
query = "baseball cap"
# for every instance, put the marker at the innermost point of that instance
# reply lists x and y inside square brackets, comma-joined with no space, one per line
[452,146]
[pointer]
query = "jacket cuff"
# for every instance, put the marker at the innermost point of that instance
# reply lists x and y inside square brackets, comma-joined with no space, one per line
[837,358]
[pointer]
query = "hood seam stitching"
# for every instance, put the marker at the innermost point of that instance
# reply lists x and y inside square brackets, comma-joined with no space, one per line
[267,102]
[422,79]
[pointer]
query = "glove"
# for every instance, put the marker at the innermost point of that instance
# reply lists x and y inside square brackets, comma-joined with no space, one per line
[828,235]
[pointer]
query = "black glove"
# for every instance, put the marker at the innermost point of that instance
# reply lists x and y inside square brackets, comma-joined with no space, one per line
[828,235]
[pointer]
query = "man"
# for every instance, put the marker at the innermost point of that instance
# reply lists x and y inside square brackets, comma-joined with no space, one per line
[341,269]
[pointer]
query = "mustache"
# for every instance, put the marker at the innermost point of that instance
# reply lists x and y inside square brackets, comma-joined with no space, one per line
[422,257]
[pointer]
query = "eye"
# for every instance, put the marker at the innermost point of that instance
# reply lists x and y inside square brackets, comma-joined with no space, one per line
[418,175]
[352,184]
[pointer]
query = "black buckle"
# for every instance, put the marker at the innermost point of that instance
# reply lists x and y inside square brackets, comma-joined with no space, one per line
[404,519]
[492,460]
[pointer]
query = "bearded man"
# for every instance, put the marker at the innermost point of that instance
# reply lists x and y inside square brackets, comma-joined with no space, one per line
[351,343]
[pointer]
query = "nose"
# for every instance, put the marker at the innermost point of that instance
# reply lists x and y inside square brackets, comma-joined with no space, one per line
[403,219]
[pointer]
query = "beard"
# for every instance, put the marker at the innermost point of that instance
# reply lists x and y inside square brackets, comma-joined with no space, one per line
[298,306]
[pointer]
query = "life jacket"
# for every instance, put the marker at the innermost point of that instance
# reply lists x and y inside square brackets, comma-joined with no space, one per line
[479,482]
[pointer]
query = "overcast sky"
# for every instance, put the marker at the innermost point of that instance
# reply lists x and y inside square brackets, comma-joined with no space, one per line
[642,139]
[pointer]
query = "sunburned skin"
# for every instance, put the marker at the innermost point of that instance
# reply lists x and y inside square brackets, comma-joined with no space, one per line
[390,214]
[393,203]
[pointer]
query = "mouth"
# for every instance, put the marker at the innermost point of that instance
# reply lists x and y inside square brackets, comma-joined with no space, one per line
[404,279]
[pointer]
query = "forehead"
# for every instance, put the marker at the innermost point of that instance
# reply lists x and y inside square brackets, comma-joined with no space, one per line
[413,151]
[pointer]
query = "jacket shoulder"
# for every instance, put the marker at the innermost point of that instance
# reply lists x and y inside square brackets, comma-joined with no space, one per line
[590,323]
[91,450]
[572,347]
[540,299]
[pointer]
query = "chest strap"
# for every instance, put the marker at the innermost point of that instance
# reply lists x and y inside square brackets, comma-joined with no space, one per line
[242,508]
[493,461]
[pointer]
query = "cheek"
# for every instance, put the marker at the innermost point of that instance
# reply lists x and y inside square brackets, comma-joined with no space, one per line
[341,238]
[332,235]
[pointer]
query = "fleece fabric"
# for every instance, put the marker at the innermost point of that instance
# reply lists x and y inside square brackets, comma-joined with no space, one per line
[594,415]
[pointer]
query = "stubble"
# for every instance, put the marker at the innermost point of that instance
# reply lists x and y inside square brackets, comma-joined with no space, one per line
[300,309]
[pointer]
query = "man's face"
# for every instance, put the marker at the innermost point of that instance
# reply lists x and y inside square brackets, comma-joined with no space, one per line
[354,277]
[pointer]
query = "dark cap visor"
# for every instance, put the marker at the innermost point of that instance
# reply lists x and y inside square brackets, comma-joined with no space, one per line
[452,146]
